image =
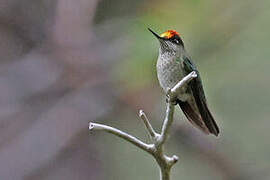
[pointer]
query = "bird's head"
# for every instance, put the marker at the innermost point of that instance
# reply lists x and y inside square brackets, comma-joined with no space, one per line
[169,40]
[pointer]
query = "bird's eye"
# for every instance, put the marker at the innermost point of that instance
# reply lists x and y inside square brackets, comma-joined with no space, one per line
[176,41]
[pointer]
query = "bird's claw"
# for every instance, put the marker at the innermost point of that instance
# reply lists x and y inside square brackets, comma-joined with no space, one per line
[167,99]
[170,98]
[168,95]
[174,102]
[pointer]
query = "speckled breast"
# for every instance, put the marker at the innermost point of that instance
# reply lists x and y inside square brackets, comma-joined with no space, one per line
[169,71]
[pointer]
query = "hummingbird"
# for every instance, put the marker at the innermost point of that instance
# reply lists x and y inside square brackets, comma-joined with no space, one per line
[173,64]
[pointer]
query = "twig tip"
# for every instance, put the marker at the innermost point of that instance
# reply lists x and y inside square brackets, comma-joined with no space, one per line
[91,126]
[194,74]
[175,158]
[141,113]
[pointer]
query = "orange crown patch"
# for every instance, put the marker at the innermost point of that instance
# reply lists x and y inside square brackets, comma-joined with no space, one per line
[168,34]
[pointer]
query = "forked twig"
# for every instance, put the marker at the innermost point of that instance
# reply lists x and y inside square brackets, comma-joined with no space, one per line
[156,149]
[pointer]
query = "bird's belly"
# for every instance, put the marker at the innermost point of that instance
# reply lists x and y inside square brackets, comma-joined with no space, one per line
[169,74]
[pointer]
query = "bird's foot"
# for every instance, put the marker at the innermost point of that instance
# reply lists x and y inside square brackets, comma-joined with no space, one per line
[174,102]
[170,98]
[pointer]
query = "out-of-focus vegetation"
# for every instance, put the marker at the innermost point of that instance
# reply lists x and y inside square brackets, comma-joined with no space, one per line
[65,63]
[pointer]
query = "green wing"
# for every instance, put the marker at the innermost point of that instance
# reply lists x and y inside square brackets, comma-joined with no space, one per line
[196,88]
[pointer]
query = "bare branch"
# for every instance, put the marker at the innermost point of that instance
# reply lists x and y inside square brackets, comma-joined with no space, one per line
[172,160]
[183,82]
[157,149]
[174,92]
[148,126]
[123,135]
[167,123]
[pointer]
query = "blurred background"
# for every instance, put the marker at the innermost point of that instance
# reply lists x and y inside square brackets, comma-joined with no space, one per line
[65,63]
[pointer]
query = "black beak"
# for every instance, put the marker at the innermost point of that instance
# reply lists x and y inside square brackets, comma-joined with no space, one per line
[161,40]
[155,34]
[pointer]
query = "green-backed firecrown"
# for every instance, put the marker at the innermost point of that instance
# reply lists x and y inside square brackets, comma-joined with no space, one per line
[172,65]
